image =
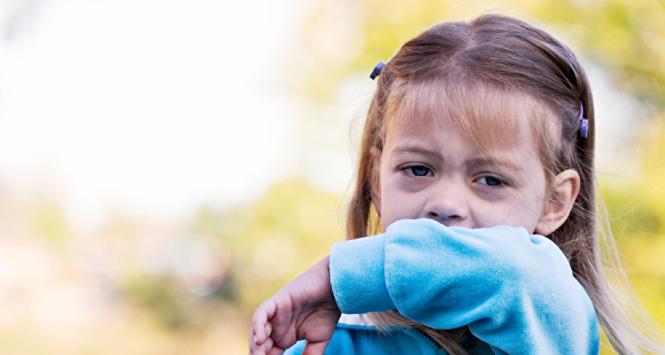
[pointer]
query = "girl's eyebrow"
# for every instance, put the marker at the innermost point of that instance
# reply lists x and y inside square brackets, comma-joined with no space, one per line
[471,163]
[416,149]
[480,162]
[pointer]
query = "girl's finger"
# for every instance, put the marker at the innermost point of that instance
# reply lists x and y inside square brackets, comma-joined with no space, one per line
[271,307]
[256,325]
[255,318]
[283,317]
[261,318]
[315,348]
[268,329]
[252,343]
[267,346]
[275,351]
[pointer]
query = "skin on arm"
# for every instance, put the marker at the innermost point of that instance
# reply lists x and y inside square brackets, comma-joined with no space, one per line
[304,309]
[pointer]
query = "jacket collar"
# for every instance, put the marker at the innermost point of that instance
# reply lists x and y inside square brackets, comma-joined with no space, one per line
[356,321]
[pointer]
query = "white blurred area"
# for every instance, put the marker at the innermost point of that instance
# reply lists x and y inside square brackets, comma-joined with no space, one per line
[138,108]
[144,106]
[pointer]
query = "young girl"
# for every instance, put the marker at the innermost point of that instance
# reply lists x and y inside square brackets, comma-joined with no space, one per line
[476,184]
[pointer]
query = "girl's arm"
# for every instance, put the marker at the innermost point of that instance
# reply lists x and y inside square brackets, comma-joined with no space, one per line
[303,309]
[515,291]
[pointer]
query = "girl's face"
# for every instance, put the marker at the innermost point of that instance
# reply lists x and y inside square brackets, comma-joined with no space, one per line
[430,169]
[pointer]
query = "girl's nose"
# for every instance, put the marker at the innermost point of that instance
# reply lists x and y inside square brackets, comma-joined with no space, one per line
[446,218]
[448,206]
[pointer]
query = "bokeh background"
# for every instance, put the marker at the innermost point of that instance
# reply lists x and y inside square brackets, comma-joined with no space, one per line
[167,165]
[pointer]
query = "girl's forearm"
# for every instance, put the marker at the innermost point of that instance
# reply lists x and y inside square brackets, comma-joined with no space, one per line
[515,291]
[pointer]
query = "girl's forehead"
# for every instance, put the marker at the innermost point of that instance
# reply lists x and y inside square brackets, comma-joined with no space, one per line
[489,118]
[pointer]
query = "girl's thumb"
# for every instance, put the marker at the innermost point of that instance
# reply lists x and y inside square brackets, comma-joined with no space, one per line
[315,348]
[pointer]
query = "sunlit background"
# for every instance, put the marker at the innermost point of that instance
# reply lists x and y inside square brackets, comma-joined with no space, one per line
[166,165]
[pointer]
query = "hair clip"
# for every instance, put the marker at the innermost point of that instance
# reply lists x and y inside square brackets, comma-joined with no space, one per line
[583,123]
[377,70]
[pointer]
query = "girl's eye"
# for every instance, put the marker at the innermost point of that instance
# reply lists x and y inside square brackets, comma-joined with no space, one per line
[490,181]
[417,170]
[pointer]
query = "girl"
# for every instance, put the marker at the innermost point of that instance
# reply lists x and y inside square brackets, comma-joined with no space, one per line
[476,181]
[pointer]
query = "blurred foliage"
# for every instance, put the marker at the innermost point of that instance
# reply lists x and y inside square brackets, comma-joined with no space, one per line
[625,37]
[174,308]
[274,238]
[50,221]
[165,298]
[636,209]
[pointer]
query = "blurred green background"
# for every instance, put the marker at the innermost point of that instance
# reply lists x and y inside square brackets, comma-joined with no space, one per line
[164,167]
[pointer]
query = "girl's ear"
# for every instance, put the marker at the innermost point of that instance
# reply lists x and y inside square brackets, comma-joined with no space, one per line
[565,188]
[375,181]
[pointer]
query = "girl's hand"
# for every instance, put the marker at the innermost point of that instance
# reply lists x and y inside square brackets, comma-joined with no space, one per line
[304,309]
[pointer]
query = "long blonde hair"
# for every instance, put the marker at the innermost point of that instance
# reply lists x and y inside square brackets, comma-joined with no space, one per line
[507,55]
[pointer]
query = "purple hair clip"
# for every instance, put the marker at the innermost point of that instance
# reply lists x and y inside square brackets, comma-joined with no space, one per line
[583,123]
[377,70]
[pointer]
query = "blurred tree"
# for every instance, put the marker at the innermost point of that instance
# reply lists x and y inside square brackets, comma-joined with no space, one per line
[637,214]
[273,239]
[625,37]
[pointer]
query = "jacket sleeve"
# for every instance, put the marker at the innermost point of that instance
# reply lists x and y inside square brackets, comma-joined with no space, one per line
[515,291]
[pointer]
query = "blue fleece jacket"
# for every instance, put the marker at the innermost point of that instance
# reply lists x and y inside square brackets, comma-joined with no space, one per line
[515,291]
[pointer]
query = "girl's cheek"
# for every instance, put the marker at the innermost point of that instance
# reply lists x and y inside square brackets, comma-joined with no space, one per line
[492,214]
[409,184]
[400,203]
[488,216]
[492,195]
